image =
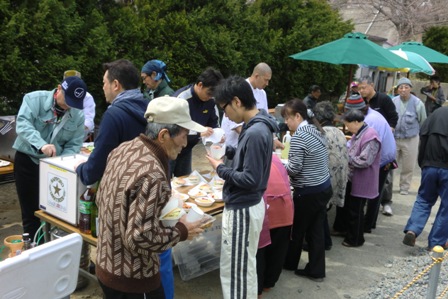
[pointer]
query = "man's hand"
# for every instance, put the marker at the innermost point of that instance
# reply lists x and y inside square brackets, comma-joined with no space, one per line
[79,162]
[49,150]
[194,228]
[215,163]
[278,144]
[208,132]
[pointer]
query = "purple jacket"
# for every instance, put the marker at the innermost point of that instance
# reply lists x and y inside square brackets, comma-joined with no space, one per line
[364,161]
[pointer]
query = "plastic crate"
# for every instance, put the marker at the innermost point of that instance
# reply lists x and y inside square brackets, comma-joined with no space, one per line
[200,255]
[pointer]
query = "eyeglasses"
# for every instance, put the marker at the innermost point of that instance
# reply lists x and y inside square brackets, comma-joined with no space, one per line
[223,108]
[144,78]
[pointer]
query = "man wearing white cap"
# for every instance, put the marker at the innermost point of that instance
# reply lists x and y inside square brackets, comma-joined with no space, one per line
[47,126]
[411,115]
[132,193]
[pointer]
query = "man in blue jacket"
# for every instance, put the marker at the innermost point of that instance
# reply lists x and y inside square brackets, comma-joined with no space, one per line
[47,126]
[123,120]
[245,183]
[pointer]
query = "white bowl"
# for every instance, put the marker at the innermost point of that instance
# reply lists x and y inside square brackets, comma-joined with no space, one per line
[188,205]
[170,205]
[195,193]
[204,201]
[217,195]
[172,221]
[181,196]
[195,214]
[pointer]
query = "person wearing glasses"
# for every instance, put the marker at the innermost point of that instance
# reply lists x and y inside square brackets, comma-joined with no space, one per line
[49,124]
[202,110]
[156,80]
[245,182]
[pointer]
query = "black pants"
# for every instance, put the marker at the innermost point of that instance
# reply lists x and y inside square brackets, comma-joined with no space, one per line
[26,174]
[270,258]
[350,218]
[109,293]
[355,232]
[309,216]
[373,205]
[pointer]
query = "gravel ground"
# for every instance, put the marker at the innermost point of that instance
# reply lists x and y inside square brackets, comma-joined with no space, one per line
[401,271]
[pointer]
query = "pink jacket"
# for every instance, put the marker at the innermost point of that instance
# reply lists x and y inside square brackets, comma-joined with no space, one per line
[278,200]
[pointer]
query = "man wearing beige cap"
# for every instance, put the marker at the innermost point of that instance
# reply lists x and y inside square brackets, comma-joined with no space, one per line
[411,115]
[133,191]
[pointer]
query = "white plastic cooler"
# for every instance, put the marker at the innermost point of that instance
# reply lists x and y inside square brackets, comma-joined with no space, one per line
[60,187]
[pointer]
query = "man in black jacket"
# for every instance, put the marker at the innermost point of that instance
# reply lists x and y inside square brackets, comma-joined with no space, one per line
[380,102]
[433,151]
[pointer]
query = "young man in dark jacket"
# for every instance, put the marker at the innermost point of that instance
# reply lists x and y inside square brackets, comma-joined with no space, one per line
[245,183]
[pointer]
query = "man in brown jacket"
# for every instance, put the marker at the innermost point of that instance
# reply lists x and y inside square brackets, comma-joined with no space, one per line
[132,193]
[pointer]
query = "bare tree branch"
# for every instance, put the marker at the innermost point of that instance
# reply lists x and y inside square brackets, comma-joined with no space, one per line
[410,17]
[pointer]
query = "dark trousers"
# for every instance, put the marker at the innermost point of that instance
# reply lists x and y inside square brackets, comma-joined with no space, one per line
[309,216]
[350,218]
[355,209]
[270,258]
[109,293]
[373,205]
[26,174]
[182,165]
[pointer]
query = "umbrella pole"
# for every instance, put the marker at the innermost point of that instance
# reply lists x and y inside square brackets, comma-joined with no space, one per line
[350,77]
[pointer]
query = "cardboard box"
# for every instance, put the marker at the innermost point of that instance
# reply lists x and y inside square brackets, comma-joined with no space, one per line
[60,187]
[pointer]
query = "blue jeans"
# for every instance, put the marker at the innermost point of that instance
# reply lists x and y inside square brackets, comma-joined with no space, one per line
[166,273]
[434,183]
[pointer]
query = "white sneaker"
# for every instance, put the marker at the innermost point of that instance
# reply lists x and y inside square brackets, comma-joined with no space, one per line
[387,210]
[404,192]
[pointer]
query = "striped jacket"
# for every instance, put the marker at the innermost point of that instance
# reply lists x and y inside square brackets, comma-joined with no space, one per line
[308,160]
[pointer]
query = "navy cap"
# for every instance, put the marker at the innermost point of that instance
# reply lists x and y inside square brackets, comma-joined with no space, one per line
[74,91]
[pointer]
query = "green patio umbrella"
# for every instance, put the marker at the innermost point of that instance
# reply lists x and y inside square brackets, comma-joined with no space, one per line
[432,56]
[354,48]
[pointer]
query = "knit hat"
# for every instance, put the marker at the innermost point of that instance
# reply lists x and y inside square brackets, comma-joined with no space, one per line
[171,110]
[355,101]
[404,80]
[157,66]
[354,84]
[74,91]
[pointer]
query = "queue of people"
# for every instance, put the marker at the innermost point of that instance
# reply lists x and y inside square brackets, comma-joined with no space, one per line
[146,138]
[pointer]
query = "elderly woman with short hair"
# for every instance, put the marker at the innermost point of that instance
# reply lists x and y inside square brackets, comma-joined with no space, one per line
[364,152]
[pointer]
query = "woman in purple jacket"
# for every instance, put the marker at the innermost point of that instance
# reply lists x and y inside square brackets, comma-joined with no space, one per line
[364,152]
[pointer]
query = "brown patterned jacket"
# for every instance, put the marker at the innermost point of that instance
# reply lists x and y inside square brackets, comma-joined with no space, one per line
[134,189]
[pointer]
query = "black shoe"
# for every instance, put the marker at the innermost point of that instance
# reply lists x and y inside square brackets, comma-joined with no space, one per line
[305,247]
[328,248]
[368,230]
[347,244]
[304,273]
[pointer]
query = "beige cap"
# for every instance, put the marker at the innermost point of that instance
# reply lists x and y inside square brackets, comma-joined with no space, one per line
[171,110]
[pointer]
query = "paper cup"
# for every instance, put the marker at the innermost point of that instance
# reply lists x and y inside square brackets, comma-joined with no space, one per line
[194,214]
[218,150]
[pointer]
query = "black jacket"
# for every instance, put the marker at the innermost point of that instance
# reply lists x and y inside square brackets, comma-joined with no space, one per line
[383,104]
[433,149]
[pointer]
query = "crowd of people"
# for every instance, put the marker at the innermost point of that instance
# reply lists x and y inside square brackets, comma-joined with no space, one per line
[273,209]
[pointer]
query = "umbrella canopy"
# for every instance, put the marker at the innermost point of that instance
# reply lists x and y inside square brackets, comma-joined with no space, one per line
[429,54]
[354,48]
[423,64]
